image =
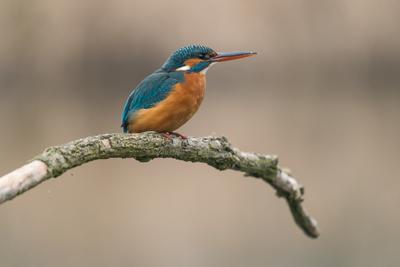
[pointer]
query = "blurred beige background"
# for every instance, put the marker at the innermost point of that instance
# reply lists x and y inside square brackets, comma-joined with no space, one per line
[323,94]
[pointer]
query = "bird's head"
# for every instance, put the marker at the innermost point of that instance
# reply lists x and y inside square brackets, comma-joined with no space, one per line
[198,58]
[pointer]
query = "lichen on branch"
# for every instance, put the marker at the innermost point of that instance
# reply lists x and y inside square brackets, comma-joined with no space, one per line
[214,151]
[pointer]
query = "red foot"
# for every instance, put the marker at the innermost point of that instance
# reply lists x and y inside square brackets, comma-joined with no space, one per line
[169,135]
[179,135]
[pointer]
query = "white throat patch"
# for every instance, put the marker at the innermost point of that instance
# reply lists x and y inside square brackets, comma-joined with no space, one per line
[186,67]
[183,68]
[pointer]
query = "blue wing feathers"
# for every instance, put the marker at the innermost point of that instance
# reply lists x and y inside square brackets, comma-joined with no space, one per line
[152,90]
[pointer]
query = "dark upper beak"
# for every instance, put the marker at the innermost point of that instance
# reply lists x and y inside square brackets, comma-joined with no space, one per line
[221,56]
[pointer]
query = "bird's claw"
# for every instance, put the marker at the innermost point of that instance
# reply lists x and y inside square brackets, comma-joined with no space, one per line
[169,135]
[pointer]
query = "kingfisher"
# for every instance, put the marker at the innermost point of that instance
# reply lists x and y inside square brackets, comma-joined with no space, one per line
[170,96]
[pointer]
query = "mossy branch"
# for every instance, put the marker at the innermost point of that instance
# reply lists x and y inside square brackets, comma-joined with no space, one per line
[214,151]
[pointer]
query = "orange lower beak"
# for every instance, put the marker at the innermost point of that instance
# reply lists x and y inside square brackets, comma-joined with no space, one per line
[231,56]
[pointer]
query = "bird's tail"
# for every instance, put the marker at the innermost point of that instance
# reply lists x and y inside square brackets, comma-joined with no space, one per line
[124,127]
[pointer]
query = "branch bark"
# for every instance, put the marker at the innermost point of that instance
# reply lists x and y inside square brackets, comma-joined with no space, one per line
[214,151]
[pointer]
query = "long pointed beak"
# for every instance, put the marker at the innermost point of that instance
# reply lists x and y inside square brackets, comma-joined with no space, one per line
[221,56]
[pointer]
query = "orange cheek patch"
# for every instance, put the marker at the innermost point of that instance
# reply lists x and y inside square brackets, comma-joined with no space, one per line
[192,62]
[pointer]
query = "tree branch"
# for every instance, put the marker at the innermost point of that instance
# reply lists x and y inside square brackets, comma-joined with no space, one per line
[214,151]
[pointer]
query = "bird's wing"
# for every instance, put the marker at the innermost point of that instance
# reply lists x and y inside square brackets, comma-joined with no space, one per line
[152,90]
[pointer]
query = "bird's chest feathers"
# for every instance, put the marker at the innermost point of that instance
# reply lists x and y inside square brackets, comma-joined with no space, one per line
[179,106]
[188,95]
[185,99]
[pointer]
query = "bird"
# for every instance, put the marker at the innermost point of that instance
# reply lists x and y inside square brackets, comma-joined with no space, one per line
[167,98]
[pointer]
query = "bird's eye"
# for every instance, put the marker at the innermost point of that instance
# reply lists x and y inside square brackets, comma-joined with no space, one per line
[204,56]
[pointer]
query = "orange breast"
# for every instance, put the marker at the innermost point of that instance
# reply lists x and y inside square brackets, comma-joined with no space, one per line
[175,110]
